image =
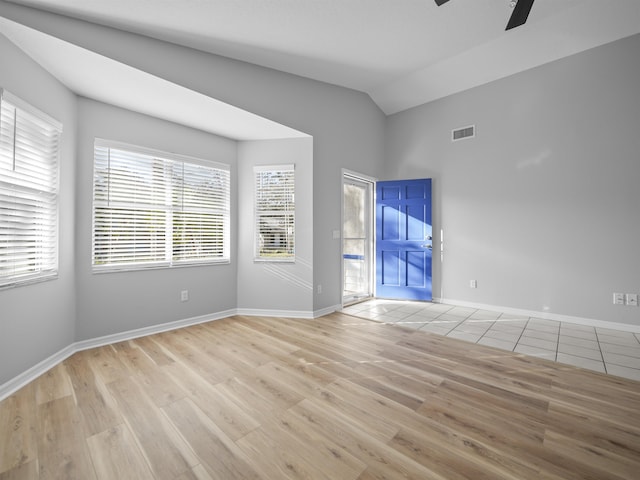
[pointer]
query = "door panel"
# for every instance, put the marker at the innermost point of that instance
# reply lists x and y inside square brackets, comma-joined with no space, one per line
[357,242]
[403,239]
[390,268]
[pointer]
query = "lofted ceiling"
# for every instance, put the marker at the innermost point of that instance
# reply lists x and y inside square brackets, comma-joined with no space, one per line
[403,53]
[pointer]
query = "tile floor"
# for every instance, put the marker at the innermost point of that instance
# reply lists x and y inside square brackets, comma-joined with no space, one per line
[600,349]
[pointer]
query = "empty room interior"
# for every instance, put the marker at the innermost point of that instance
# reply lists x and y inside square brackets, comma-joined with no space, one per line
[362,239]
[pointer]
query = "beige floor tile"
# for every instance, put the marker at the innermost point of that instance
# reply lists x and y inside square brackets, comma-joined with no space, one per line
[549,336]
[538,343]
[463,312]
[578,342]
[629,340]
[580,352]
[584,334]
[626,372]
[576,326]
[497,343]
[612,333]
[535,352]
[627,350]
[447,320]
[502,336]
[435,328]
[622,360]
[469,337]
[544,321]
[485,315]
[542,327]
[581,362]
[406,324]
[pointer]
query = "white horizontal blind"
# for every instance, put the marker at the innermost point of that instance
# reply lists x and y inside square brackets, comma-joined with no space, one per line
[29,149]
[201,213]
[154,209]
[275,212]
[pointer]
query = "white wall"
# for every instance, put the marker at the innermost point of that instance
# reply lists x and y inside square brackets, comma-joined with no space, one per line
[542,206]
[276,286]
[110,303]
[38,320]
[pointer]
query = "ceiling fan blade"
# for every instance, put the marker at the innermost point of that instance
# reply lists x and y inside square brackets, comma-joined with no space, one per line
[520,14]
[441,2]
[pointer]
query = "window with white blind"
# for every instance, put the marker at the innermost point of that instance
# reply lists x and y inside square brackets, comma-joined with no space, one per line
[275,213]
[156,209]
[29,149]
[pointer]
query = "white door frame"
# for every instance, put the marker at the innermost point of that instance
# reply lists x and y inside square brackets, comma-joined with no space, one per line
[349,175]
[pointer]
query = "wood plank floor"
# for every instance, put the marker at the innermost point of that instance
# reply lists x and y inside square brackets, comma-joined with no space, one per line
[335,398]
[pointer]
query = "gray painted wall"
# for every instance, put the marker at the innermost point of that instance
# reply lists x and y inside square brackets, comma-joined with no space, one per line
[117,302]
[347,127]
[271,285]
[542,206]
[38,320]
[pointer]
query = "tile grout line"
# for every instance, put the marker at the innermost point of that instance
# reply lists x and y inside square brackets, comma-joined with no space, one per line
[521,334]
[485,332]
[606,370]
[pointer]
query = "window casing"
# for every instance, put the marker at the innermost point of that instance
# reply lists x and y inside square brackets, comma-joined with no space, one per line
[275,213]
[29,154]
[156,210]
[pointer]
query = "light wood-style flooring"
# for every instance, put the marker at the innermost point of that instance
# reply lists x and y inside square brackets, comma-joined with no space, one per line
[334,398]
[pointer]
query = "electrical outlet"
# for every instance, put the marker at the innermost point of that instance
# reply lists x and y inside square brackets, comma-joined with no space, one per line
[319,289]
[184,296]
[618,298]
[473,284]
[632,299]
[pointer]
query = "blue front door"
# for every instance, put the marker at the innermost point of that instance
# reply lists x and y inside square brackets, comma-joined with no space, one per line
[403,239]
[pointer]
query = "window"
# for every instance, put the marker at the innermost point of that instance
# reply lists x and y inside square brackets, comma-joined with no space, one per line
[275,213]
[29,144]
[155,209]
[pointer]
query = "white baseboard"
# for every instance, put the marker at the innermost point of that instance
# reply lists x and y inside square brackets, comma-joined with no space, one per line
[259,312]
[10,387]
[326,310]
[143,332]
[591,322]
[16,383]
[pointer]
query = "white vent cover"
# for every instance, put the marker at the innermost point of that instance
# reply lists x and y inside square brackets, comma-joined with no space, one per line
[462,133]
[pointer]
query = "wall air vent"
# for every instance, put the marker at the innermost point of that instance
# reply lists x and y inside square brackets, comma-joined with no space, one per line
[462,133]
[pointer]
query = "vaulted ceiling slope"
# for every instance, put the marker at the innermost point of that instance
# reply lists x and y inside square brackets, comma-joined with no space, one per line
[402,53]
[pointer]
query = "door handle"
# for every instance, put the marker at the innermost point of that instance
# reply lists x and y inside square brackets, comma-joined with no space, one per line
[426,246]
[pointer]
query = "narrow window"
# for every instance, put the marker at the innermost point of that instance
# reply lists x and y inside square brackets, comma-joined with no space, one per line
[156,209]
[29,150]
[275,213]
